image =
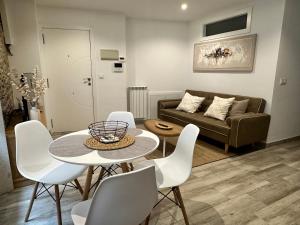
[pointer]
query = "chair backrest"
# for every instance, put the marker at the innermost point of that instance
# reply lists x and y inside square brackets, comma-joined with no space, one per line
[125,199]
[122,116]
[32,143]
[182,157]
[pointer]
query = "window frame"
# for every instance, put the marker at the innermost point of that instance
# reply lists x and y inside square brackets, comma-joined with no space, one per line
[247,11]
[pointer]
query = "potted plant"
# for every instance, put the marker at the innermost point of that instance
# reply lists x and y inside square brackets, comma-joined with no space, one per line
[30,88]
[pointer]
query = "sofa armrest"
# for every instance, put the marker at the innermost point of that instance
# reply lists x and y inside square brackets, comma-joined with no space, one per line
[248,128]
[168,103]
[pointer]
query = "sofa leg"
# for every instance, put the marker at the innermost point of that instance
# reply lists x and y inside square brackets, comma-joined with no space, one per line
[226,148]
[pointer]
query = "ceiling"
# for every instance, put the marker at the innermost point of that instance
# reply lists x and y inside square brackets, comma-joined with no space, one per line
[150,9]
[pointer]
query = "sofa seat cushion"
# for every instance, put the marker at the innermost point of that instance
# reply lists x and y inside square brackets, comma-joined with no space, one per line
[198,119]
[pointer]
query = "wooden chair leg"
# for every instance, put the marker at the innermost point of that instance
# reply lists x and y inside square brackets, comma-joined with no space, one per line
[175,197]
[88,182]
[147,219]
[31,201]
[179,198]
[102,171]
[78,186]
[131,166]
[57,201]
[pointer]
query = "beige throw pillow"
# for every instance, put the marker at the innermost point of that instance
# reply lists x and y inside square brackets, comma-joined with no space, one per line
[190,103]
[238,107]
[219,108]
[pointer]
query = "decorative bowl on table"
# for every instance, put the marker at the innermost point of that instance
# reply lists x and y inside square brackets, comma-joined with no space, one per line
[108,132]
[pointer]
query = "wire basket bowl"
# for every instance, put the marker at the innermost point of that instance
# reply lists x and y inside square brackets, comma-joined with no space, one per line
[108,132]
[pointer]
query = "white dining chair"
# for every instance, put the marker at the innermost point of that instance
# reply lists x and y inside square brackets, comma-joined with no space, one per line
[122,116]
[116,116]
[174,170]
[35,163]
[124,199]
[125,117]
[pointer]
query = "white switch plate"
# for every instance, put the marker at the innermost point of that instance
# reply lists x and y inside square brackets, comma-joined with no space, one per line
[283,81]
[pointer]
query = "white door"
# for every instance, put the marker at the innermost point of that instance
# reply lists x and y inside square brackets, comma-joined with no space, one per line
[67,66]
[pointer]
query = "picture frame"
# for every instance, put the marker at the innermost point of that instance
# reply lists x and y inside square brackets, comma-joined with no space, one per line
[233,54]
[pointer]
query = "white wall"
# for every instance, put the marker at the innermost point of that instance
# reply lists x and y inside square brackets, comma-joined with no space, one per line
[266,22]
[108,32]
[157,54]
[25,49]
[157,50]
[286,105]
[24,28]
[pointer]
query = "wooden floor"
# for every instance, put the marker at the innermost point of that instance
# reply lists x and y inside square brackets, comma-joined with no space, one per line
[259,188]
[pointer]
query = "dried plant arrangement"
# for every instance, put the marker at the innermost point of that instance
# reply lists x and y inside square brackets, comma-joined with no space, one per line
[31,89]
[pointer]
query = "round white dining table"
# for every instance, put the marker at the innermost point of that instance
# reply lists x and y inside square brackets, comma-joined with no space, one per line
[70,148]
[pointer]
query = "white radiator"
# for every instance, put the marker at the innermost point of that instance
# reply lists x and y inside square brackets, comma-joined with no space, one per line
[155,96]
[137,101]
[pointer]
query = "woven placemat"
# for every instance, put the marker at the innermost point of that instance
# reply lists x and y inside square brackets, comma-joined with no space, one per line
[96,145]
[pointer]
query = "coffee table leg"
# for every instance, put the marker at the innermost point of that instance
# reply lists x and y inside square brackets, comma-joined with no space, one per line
[164,146]
[88,182]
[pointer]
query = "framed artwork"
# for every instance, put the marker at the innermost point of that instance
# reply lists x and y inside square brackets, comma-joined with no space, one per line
[227,54]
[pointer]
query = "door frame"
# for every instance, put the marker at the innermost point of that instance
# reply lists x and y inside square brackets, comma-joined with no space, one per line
[47,110]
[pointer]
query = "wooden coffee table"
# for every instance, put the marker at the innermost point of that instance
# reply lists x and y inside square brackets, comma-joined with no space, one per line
[175,131]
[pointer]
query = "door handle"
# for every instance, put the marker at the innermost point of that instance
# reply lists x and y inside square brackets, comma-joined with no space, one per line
[87,80]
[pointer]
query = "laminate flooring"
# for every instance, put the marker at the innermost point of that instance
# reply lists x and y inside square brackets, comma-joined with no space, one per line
[259,188]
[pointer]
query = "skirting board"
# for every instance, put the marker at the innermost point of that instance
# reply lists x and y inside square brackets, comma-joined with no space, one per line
[282,141]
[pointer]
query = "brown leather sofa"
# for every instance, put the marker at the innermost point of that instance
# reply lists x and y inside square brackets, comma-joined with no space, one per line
[236,131]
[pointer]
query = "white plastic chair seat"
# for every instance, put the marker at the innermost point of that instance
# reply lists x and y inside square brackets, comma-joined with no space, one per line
[166,176]
[175,169]
[54,172]
[123,199]
[35,163]
[80,212]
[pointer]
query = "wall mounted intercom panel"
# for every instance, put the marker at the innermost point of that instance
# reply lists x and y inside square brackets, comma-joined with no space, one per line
[118,67]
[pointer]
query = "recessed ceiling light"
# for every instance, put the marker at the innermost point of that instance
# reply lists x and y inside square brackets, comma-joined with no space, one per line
[184,6]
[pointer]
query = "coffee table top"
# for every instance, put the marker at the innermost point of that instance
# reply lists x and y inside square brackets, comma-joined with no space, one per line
[151,126]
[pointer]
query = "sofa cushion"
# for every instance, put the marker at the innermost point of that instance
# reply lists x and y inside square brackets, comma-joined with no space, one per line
[238,107]
[189,103]
[219,108]
[198,119]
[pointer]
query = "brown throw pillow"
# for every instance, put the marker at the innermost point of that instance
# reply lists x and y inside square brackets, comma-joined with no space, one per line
[238,107]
